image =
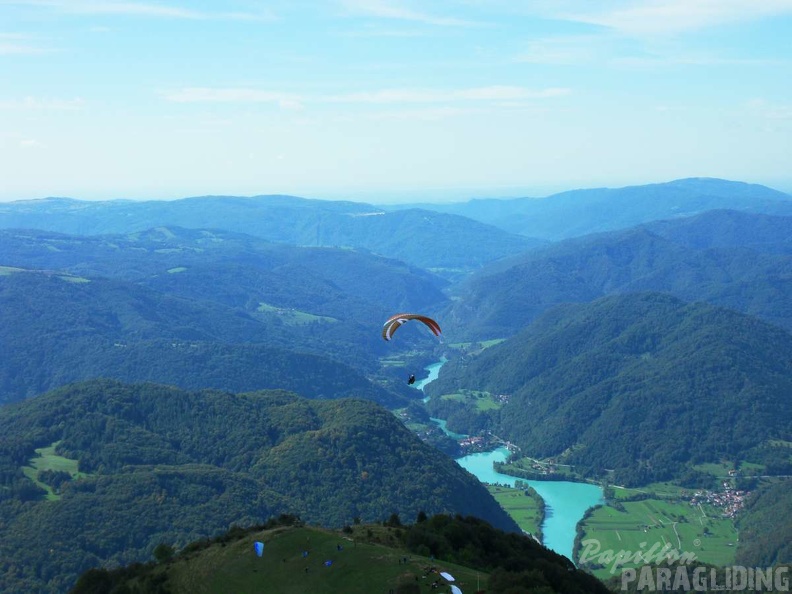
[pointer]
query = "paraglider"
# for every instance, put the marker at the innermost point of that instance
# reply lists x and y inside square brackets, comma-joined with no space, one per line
[392,324]
[259,546]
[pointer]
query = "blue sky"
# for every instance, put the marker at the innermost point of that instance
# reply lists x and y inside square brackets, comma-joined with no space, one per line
[389,100]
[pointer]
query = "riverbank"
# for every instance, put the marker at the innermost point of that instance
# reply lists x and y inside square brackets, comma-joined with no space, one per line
[565,502]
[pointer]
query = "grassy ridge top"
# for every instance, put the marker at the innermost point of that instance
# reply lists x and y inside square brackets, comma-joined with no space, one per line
[362,559]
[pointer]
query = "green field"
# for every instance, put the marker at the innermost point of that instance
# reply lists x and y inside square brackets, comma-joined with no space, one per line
[293,317]
[559,471]
[6,270]
[658,490]
[715,469]
[73,279]
[359,568]
[651,525]
[47,459]
[526,510]
[481,400]
[475,347]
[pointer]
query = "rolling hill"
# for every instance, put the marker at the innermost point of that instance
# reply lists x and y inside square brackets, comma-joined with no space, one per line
[57,328]
[132,466]
[448,243]
[246,270]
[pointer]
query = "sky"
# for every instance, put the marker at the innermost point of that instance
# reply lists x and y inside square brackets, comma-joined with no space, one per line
[389,100]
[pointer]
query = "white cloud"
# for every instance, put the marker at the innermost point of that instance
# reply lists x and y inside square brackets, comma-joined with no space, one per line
[691,60]
[560,50]
[388,9]
[39,104]
[143,9]
[650,17]
[496,93]
[19,44]
[30,143]
[769,110]
[429,114]
[491,93]
[233,95]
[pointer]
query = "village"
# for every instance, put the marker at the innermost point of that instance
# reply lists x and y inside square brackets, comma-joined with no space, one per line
[730,500]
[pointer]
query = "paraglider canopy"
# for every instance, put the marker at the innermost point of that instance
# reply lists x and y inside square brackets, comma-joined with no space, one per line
[447,576]
[456,590]
[394,322]
[259,546]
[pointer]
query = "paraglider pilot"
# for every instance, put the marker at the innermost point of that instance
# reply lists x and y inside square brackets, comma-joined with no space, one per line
[411,381]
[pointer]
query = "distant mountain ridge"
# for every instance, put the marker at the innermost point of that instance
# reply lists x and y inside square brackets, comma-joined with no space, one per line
[422,237]
[580,212]
[732,259]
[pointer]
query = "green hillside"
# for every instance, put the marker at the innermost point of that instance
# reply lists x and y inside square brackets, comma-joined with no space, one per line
[642,384]
[58,329]
[231,268]
[685,258]
[357,560]
[158,464]
[728,228]
[766,526]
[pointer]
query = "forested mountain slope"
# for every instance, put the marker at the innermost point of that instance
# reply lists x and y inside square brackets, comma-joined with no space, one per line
[643,384]
[766,526]
[761,233]
[58,328]
[158,464]
[246,269]
[745,266]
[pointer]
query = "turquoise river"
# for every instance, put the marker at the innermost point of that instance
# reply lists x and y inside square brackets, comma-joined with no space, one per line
[565,501]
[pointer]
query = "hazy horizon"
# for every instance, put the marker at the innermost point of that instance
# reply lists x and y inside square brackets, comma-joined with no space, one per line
[389,100]
[385,198]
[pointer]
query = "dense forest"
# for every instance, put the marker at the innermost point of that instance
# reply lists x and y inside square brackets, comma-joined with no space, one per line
[641,384]
[59,329]
[766,526]
[149,463]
